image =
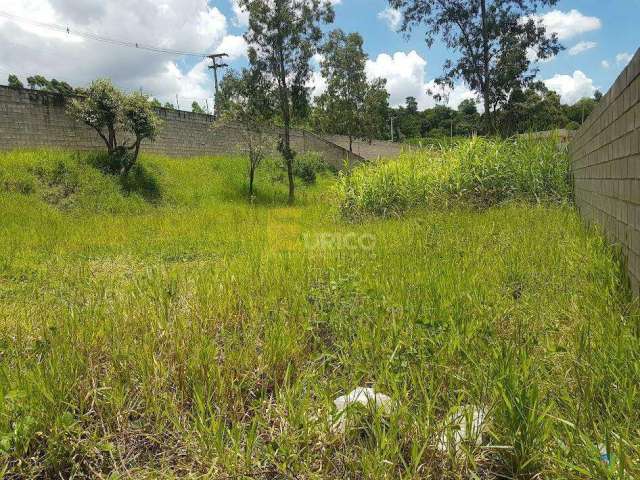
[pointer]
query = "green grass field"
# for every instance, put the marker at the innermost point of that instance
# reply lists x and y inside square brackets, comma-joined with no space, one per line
[166,327]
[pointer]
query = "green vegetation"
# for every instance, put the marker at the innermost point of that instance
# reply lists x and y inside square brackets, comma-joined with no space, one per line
[477,171]
[113,114]
[161,326]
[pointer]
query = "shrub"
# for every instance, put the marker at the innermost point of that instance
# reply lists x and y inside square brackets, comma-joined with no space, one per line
[111,114]
[307,165]
[480,172]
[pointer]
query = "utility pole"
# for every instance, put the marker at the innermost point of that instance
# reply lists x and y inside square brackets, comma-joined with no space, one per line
[215,66]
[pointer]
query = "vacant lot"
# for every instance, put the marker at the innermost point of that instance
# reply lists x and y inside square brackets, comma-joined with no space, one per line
[164,326]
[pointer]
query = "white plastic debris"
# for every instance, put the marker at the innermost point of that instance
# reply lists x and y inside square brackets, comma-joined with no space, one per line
[464,424]
[604,454]
[364,396]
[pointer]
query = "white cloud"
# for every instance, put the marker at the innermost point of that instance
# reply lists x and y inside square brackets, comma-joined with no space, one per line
[405,75]
[234,45]
[571,88]
[241,15]
[317,84]
[622,59]
[392,17]
[186,25]
[568,24]
[582,47]
[605,64]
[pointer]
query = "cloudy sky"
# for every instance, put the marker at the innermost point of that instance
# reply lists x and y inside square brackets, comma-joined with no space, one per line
[600,37]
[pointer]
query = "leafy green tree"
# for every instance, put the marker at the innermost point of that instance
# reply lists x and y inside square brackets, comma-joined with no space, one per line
[343,68]
[411,105]
[580,111]
[196,108]
[155,103]
[493,40]
[376,110]
[110,112]
[468,118]
[60,87]
[410,122]
[535,109]
[283,35]
[246,100]
[169,106]
[14,82]
[439,121]
[38,82]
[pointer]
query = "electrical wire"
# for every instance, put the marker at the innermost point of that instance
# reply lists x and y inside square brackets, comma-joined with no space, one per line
[99,38]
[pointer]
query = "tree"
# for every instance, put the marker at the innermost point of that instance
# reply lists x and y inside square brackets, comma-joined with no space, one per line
[343,68]
[15,83]
[494,40]
[247,101]
[468,118]
[532,110]
[196,108]
[282,37]
[38,82]
[411,104]
[169,106]
[155,103]
[579,111]
[110,112]
[376,110]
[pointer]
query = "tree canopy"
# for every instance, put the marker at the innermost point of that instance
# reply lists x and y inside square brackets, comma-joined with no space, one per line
[495,41]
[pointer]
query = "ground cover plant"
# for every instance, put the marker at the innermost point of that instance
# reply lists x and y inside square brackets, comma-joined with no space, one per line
[477,171]
[165,326]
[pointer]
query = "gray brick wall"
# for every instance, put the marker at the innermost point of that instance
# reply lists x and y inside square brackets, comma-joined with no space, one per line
[605,156]
[30,119]
[371,151]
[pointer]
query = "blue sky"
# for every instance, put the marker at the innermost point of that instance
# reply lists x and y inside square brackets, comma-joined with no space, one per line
[600,36]
[604,32]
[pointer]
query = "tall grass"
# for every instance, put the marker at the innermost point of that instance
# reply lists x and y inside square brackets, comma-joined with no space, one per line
[479,171]
[197,335]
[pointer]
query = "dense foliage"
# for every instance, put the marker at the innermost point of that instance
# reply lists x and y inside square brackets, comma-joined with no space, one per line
[476,171]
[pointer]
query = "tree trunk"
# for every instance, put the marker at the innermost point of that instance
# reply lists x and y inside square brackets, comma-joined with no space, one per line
[485,68]
[350,143]
[286,134]
[252,170]
[129,165]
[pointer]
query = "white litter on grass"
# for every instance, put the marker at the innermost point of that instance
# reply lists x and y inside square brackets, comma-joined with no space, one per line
[456,428]
[363,396]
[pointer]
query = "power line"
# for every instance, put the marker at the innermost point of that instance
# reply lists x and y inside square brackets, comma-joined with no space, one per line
[99,38]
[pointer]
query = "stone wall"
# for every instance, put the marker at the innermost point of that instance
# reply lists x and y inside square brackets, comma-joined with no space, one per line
[605,156]
[371,151]
[31,119]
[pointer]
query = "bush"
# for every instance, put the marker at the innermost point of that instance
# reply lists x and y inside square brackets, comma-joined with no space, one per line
[110,113]
[307,165]
[479,172]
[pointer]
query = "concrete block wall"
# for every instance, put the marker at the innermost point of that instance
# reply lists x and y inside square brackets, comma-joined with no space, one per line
[32,119]
[605,156]
[371,151]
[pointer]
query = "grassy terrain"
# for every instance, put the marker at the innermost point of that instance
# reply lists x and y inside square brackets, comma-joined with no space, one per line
[475,171]
[166,327]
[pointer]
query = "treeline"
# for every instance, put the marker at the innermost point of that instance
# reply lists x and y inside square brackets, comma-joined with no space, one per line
[532,110]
